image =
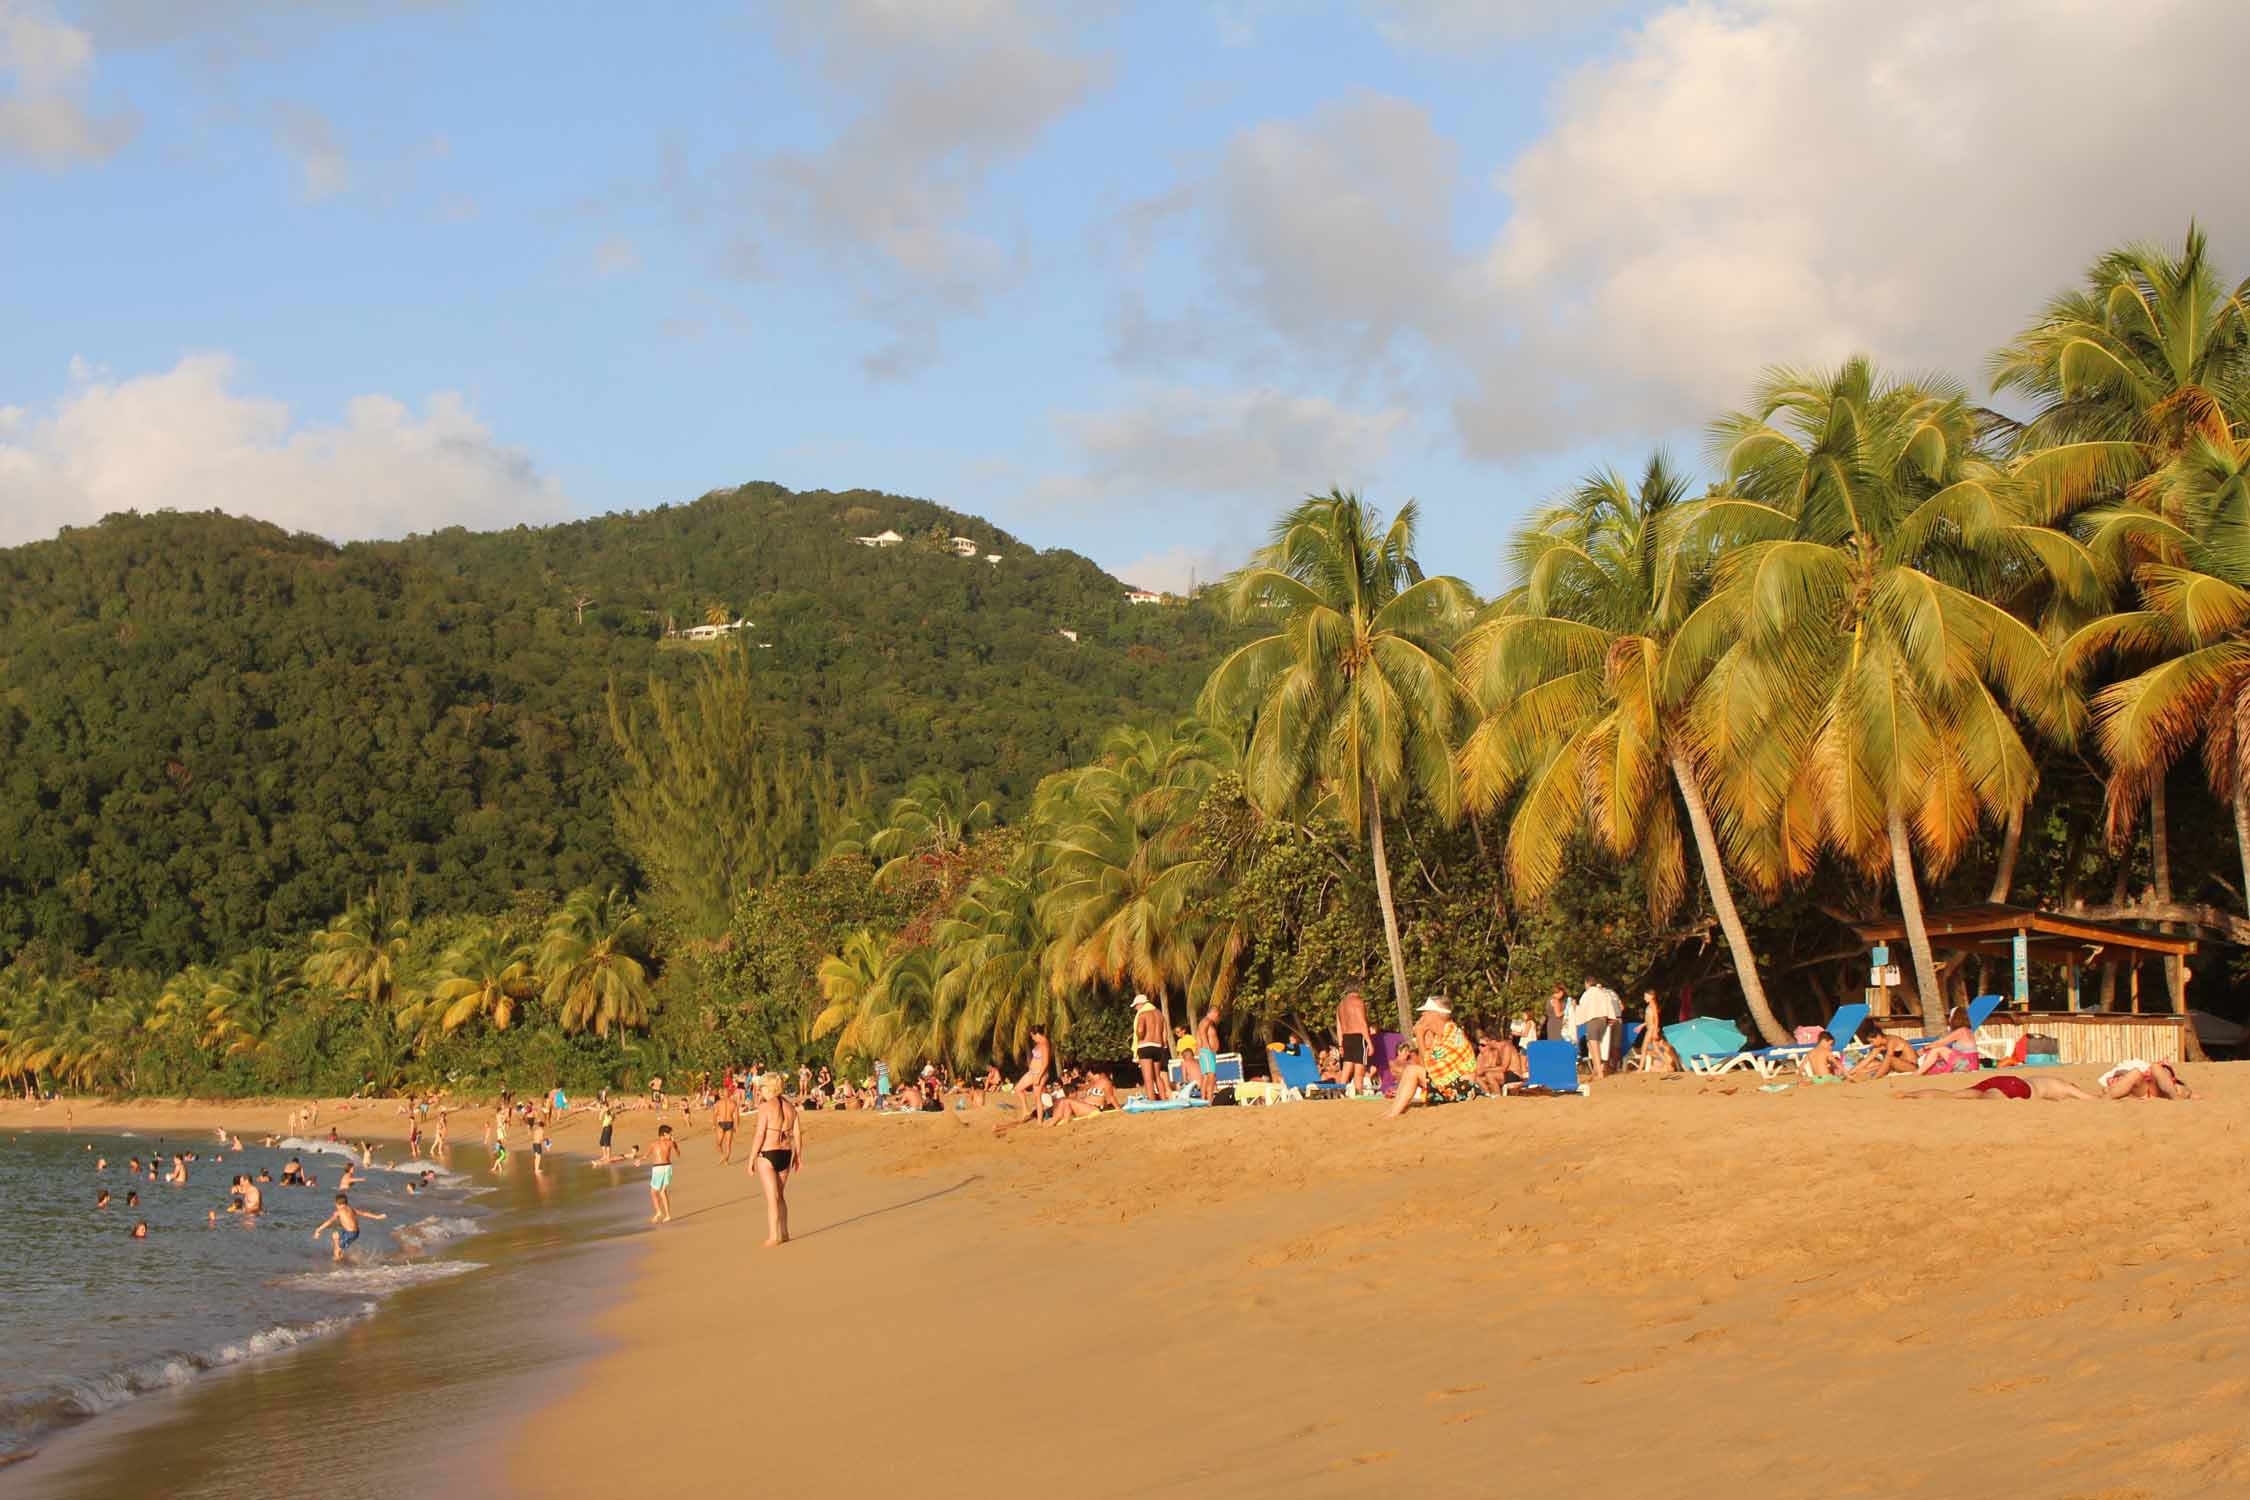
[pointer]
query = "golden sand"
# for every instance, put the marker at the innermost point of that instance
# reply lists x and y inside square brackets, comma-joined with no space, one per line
[1660,1290]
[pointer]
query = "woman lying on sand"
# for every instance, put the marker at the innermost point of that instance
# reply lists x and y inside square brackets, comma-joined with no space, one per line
[2135,1079]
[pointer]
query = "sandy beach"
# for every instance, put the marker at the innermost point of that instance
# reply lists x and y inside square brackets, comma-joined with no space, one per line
[1668,1288]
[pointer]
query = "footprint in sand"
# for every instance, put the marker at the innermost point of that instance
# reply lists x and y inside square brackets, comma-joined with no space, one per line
[1452,1391]
[1362,1460]
[1998,1386]
[1470,1415]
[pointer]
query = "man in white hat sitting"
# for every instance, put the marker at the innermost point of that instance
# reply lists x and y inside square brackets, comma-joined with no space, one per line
[1443,1068]
[1150,1049]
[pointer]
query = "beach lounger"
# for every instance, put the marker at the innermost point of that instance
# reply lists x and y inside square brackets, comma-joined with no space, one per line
[1704,1042]
[1300,1075]
[1229,1070]
[1980,1011]
[1767,1061]
[1552,1066]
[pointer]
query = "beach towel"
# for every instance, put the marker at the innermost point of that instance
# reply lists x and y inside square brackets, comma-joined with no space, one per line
[1155,1106]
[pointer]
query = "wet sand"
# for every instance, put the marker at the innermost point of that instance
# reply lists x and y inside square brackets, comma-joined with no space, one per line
[1660,1290]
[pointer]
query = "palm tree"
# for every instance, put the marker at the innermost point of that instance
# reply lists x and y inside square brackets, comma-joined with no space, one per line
[879,1003]
[1352,697]
[990,990]
[245,999]
[2189,557]
[360,953]
[931,821]
[1850,642]
[2132,370]
[594,961]
[1124,897]
[485,974]
[1569,670]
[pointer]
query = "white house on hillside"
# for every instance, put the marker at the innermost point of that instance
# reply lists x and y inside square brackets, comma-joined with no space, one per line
[1143,596]
[880,539]
[709,632]
[1069,635]
[964,546]
[993,558]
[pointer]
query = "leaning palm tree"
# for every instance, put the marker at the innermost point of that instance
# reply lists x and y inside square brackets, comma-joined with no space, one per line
[245,999]
[594,961]
[990,991]
[1351,698]
[878,1002]
[1579,712]
[1850,650]
[931,821]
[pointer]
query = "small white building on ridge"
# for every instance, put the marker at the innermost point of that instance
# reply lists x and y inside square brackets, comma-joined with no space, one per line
[880,539]
[1143,596]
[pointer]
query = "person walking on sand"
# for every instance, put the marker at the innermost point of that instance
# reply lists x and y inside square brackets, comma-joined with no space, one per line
[346,1219]
[1149,1049]
[777,1148]
[608,1133]
[1031,1089]
[1355,1044]
[1558,1013]
[725,1115]
[1596,1016]
[662,1153]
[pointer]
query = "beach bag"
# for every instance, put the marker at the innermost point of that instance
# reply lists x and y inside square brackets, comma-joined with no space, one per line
[1809,1036]
[2035,1043]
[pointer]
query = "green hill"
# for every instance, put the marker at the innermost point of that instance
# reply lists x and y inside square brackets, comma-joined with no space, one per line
[214,732]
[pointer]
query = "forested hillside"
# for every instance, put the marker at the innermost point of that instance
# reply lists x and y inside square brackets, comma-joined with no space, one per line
[214,733]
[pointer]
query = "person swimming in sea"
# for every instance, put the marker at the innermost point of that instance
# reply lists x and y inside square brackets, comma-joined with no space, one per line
[293,1173]
[101,1199]
[140,1229]
[346,1219]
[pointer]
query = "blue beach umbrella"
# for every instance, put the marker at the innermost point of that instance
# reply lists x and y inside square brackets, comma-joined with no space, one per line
[1705,1036]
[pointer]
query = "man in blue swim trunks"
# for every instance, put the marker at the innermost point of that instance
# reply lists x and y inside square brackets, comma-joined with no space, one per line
[346,1219]
[1207,1050]
[662,1152]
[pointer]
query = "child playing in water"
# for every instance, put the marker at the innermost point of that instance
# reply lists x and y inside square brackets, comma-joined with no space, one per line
[346,1219]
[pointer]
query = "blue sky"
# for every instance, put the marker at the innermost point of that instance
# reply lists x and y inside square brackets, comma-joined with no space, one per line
[1125,278]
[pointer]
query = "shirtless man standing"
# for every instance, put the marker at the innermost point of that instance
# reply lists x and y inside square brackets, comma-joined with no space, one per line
[1149,1049]
[725,1115]
[662,1153]
[1355,1044]
[1207,1049]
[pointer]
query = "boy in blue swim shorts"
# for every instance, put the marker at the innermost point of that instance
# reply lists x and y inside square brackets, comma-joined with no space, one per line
[346,1219]
[662,1152]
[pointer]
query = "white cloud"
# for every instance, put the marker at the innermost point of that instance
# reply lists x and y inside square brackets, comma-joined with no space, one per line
[934,96]
[308,138]
[1728,186]
[1258,445]
[45,68]
[1177,569]
[185,440]
[1792,180]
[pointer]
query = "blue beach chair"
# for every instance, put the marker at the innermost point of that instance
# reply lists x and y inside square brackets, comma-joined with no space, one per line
[1300,1075]
[1767,1061]
[1704,1042]
[1552,1066]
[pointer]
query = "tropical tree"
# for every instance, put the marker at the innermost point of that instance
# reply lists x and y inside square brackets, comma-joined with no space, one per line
[1579,711]
[2189,557]
[484,974]
[1850,649]
[990,990]
[1351,699]
[929,823]
[879,1002]
[245,999]
[594,960]
[361,954]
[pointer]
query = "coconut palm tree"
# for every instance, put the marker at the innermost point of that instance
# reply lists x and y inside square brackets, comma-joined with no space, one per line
[1850,650]
[359,954]
[931,821]
[1569,671]
[593,960]
[1351,699]
[244,1000]
[879,1003]
[990,990]
[484,974]
[2189,558]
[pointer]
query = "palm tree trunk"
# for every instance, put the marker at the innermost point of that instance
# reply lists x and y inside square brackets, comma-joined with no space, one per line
[2160,869]
[1390,912]
[1917,936]
[1722,902]
[2011,844]
[2242,838]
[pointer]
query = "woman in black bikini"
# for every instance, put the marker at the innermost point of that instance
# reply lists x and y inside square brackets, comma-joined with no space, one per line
[777,1148]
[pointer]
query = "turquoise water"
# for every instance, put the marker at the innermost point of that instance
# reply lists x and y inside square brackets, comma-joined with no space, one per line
[92,1319]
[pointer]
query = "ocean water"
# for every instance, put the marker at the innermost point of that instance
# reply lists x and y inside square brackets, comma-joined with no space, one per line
[92,1319]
